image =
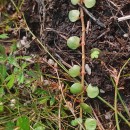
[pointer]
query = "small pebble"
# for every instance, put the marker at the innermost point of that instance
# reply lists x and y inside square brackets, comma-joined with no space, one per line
[126,35]
[19,45]
[13,101]
[12,105]
[102,91]
[51,62]
[88,69]
[108,115]
[46,82]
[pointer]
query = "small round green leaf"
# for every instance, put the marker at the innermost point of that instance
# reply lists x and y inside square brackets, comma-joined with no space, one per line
[73,42]
[74,15]
[75,2]
[86,108]
[89,3]
[74,71]
[76,121]
[95,53]
[92,91]
[76,88]
[90,124]
[23,123]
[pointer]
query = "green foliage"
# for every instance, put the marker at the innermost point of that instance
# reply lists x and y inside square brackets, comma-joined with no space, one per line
[74,15]
[43,100]
[1,107]
[76,88]
[4,36]
[3,73]
[10,126]
[76,121]
[14,47]
[89,3]
[95,53]
[2,92]
[92,91]
[2,54]
[10,81]
[13,61]
[21,78]
[90,124]
[75,2]
[73,42]
[23,123]
[52,101]
[40,92]
[74,71]
[86,108]
[39,126]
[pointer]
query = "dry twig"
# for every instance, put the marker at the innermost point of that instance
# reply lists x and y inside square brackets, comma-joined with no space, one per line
[83,54]
[123,18]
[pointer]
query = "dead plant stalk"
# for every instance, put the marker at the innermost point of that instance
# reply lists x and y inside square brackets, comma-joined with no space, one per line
[83,55]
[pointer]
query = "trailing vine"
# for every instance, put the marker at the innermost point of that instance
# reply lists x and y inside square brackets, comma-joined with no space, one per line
[78,88]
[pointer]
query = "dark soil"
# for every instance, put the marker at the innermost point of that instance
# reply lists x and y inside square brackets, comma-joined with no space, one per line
[111,41]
